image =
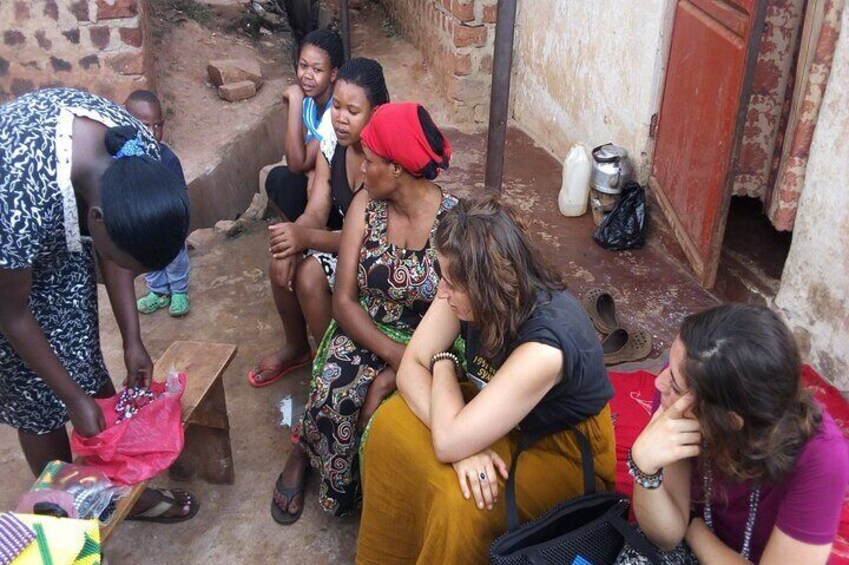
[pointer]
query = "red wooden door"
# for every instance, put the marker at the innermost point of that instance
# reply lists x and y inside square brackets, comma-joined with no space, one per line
[711,62]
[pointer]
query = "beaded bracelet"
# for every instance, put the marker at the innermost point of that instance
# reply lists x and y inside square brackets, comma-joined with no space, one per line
[445,356]
[645,480]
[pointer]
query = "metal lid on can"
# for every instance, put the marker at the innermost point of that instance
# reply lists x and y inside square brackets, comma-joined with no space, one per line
[609,153]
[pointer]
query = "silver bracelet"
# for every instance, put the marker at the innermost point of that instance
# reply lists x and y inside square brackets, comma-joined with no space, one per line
[648,481]
[445,356]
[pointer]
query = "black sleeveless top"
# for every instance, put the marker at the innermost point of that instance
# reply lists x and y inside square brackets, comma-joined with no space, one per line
[340,189]
[558,321]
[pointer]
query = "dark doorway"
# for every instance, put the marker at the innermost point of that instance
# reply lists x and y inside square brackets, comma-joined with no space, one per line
[753,253]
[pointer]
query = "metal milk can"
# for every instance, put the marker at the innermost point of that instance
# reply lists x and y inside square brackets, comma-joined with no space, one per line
[611,170]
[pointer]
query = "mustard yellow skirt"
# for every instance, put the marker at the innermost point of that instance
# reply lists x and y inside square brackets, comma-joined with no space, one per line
[414,512]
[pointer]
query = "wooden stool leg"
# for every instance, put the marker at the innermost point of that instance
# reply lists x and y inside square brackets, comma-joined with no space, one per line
[208,441]
[220,460]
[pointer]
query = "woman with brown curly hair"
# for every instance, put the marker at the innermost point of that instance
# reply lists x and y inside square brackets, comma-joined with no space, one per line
[532,360]
[738,461]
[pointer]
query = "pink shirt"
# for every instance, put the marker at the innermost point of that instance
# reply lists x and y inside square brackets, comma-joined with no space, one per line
[806,505]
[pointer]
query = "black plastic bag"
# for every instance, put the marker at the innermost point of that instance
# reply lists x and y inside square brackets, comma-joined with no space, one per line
[624,227]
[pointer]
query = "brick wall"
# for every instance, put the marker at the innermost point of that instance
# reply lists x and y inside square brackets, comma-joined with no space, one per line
[98,45]
[456,39]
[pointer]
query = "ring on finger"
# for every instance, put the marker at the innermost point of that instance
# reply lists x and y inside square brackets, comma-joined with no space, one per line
[482,476]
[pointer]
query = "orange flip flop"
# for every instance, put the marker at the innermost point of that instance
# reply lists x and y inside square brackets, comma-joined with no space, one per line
[280,371]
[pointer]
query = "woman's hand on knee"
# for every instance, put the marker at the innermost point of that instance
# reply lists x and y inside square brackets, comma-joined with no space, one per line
[478,476]
[282,272]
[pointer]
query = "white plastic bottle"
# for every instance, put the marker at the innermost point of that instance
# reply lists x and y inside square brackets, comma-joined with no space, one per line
[574,190]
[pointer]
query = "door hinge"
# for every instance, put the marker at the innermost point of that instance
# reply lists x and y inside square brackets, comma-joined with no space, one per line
[653,126]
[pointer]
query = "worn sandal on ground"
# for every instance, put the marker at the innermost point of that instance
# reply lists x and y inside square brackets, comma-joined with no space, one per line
[622,346]
[601,309]
[170,499]
[281,516]
[280,371]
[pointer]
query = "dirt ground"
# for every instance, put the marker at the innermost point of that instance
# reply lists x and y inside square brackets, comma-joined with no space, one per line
[231,302]
[198,122]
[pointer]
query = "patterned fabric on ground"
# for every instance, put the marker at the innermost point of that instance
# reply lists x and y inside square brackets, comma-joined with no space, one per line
[15,536]
[396,288]
[68,541]
[413,510]
[39,229]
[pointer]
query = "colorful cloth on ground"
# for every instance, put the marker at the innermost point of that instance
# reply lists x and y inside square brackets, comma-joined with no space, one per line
[413,510]
[61,541]
[15,536]
[395,132]
[396,288]
[312,118]
[39,230]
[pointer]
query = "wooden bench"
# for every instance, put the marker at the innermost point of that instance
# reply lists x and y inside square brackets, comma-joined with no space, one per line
[205,421]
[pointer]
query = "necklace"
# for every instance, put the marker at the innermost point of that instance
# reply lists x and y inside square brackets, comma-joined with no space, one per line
[754,499]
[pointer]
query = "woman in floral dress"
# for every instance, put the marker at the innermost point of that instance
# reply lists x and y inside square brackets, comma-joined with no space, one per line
[386,279]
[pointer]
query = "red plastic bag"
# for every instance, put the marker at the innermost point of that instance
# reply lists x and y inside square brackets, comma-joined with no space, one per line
[140,447]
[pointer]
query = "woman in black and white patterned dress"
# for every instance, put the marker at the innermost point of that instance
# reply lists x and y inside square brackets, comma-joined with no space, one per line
[80,179]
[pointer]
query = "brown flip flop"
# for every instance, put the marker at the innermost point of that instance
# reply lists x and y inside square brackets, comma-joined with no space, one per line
[601,309]
[622,346]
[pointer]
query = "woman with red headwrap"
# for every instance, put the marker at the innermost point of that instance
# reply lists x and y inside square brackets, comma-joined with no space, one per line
[386,279]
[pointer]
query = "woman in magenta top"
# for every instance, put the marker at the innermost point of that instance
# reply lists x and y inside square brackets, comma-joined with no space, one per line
[738,462]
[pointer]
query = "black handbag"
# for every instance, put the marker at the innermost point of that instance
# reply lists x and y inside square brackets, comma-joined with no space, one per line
[594,526]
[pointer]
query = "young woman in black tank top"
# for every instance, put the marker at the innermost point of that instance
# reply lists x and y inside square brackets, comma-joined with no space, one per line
[303,252]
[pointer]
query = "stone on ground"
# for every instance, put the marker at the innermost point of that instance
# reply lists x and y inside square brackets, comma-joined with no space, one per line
[236,91]
[257,208]
[228,71]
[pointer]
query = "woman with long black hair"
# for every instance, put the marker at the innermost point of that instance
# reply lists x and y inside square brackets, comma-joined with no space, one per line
[80,183]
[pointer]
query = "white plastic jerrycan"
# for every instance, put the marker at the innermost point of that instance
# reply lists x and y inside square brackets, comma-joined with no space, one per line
[574,190]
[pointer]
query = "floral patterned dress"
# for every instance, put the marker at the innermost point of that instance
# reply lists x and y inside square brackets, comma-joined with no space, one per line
[396,288]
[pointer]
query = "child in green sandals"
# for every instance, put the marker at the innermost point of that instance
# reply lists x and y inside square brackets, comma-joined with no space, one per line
[168,287]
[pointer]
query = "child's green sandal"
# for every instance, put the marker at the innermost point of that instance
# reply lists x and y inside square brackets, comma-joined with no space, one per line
[152,302]
[179,304]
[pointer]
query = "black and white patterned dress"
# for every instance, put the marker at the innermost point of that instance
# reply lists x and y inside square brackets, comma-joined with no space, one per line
[39,230]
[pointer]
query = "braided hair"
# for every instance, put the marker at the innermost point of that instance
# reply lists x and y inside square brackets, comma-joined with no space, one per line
[368,75]
[328,41]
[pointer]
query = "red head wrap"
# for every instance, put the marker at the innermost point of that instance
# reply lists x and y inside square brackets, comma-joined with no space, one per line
[394,132]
